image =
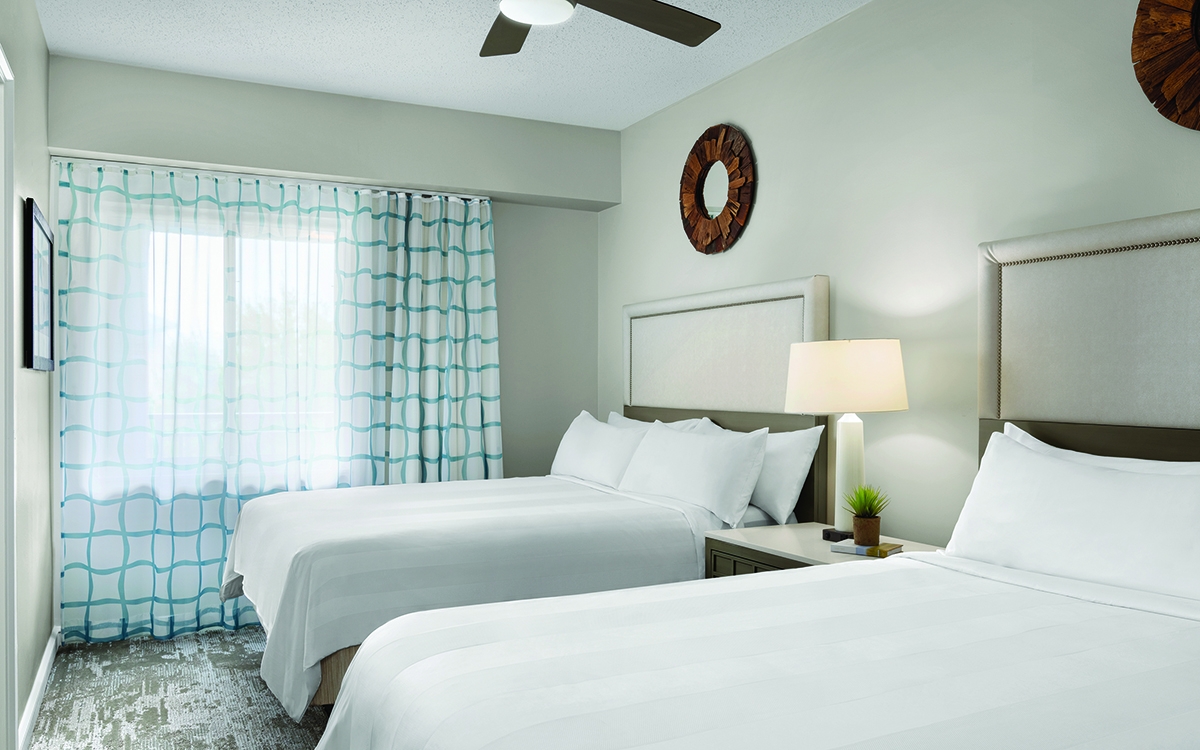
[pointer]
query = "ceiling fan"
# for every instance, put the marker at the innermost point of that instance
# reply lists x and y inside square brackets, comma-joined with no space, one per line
[517,17]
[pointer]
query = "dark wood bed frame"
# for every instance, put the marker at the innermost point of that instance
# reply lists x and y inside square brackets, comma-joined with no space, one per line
[1154,443]
[813,503]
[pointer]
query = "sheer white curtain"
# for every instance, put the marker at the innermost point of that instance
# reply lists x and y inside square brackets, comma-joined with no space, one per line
[226,336]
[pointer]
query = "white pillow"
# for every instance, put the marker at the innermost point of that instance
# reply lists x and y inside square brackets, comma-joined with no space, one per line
[687,425]
[717,472]
[710,427]
[1137,465]
[595,451]
[786,465]
[1034,512]
[756,517]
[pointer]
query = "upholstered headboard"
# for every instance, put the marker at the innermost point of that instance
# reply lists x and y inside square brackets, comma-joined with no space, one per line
[725,350]
[724,355]
[1094,326]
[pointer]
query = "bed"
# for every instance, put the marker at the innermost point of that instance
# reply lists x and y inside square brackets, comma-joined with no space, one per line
[1049,622]
[326,568]
[907,652]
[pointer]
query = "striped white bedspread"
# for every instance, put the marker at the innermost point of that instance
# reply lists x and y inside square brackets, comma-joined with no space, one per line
[924,652]
[325,568]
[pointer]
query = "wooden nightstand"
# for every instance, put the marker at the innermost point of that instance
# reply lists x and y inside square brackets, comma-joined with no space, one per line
[739,551]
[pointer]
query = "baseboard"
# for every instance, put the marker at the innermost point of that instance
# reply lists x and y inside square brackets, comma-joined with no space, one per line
[33,706]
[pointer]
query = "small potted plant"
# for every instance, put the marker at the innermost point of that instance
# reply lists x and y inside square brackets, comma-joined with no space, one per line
[866,503]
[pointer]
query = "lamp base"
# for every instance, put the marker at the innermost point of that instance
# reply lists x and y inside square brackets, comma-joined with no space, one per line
[849,468]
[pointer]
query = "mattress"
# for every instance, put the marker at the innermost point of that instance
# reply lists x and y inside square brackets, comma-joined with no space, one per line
[920,650]
[325,568]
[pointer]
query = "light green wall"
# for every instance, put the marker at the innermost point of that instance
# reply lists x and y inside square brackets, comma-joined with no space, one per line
[890,144]
[546,295]
[116,109]
[25,46]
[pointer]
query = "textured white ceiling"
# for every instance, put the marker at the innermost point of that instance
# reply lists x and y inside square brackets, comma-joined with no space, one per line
[592,70]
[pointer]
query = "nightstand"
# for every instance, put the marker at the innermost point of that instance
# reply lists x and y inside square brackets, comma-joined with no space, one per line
[739,551]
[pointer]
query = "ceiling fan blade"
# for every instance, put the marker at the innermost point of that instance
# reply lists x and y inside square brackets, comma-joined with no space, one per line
[676,24]
[506,37]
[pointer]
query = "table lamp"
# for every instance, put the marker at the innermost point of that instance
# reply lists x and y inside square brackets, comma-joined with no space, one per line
[844,377]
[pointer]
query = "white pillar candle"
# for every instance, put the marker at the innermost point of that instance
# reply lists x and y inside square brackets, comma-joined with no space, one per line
[850,468]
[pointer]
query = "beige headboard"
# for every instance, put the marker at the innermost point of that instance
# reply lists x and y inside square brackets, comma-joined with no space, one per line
[1098,325]
[725,350]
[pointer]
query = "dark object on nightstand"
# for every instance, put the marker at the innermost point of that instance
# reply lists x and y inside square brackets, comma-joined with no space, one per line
[833,535]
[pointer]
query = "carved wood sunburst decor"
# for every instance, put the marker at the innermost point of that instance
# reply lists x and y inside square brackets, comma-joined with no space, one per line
[1166,58]
[725,145]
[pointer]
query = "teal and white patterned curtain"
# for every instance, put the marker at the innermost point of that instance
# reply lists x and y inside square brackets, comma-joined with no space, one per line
[224,337]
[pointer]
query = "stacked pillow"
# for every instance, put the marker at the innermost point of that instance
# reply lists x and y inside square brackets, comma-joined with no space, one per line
[1042,509]
[788,459]
[596,452]
[716,472]
[1136,465]
[786,463]
[688,461]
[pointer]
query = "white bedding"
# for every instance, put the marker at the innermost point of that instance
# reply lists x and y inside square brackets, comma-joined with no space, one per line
[325,568]
[917,651]
[756,516]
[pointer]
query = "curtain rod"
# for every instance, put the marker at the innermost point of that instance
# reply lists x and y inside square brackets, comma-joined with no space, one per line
[235,171]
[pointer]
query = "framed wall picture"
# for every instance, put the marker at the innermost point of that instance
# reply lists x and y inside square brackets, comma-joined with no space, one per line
[39,285]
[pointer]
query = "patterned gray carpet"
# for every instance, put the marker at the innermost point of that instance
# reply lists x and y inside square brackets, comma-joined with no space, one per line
[201,691]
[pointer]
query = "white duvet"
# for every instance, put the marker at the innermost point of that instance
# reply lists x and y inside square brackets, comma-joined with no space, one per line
[922,651]
[326,568]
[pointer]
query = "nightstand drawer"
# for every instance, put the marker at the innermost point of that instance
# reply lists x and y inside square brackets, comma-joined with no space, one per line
[723,560]
[721,565]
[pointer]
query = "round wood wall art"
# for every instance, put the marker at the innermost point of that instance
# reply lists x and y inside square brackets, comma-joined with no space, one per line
[1166,58]
[727,146]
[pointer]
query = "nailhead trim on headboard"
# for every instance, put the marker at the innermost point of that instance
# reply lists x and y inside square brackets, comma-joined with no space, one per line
[1104,251]
[1065,256]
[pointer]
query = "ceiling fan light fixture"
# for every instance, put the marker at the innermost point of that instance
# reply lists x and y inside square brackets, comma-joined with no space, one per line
[537,12]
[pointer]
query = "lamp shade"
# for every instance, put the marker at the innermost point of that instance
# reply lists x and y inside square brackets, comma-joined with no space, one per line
[837,377]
